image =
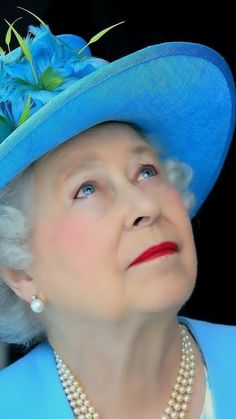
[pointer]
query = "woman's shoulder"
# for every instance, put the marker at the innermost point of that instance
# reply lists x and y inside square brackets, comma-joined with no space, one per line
[215,340]
[30,387]
[215,330]
[26,363]
[25,375]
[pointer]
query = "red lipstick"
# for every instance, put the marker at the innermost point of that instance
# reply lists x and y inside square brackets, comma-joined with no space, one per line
[156,251]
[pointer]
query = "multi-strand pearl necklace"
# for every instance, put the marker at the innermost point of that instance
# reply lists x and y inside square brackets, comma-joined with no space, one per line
[177,405]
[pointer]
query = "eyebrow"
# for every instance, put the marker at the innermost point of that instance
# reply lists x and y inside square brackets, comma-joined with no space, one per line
[91,162]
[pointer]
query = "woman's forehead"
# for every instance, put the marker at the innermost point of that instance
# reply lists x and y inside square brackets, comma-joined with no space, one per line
[95,141]
[105,134]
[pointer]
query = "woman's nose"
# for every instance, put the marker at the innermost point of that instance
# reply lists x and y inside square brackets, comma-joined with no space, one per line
[142,207]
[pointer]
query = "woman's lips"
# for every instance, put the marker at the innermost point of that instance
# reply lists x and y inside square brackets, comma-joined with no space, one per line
[161,249]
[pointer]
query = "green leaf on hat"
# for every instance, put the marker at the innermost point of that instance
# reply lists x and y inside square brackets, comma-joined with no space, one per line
[25,113]
[24,48]
[26,10]
[8,34]
[99,35]
[50,79]
[6,128]
[2,120]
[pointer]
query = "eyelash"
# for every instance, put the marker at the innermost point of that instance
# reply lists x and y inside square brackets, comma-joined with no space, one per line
[90,182]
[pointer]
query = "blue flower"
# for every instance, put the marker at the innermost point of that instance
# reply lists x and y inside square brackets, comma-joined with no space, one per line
[55,65]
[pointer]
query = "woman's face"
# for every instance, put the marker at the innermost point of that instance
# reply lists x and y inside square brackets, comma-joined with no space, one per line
[85,237]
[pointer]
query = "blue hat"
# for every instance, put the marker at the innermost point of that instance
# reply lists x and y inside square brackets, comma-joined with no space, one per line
[182,94]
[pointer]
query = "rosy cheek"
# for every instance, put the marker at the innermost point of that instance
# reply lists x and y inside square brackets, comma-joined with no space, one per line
[71,234]
[173,199]
[76,243]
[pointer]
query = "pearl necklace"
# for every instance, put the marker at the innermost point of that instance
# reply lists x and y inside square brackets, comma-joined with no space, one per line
[177,405]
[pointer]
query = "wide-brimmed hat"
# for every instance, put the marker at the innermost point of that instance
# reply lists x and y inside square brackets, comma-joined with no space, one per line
[182,94]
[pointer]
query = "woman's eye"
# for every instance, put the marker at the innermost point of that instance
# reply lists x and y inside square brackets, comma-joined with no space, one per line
[85,188]
[90,185]
[150,166]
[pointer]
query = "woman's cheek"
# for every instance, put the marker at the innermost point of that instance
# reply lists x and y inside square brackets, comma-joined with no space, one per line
[71,237]
[174,198]
[179,202]
[77,241]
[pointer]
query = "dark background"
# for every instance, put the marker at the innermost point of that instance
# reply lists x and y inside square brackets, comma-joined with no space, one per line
[146,23]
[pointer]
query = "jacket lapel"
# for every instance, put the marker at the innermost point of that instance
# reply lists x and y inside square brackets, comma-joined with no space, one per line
[218,345]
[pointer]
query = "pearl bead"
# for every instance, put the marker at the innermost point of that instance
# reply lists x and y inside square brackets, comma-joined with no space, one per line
[37,305]
[91,409]
[177,405]
[182,390]
[179,398]
[168,410]
[184,406]
[189,389]
[83,409]
[177,386]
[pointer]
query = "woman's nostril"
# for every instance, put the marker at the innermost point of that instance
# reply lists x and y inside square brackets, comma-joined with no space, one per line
[140,219]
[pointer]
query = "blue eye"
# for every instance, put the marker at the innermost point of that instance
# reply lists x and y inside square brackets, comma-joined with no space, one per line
[150,166]
[88,185]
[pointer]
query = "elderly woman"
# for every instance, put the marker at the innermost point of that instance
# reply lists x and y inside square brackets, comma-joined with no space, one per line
[96,256]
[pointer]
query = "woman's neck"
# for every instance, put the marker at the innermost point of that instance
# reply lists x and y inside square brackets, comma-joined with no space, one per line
[124,368]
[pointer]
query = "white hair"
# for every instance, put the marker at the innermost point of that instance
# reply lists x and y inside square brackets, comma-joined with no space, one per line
[18,324]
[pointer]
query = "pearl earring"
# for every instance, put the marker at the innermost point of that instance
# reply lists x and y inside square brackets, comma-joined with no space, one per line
[36,304]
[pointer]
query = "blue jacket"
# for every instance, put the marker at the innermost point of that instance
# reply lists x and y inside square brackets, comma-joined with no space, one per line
[31,389]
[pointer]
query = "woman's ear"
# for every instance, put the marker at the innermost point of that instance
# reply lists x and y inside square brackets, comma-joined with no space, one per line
[20,282]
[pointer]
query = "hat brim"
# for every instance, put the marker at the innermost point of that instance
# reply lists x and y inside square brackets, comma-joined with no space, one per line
[180,93]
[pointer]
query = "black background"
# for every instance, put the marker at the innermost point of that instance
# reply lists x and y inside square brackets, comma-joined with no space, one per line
[146,23]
